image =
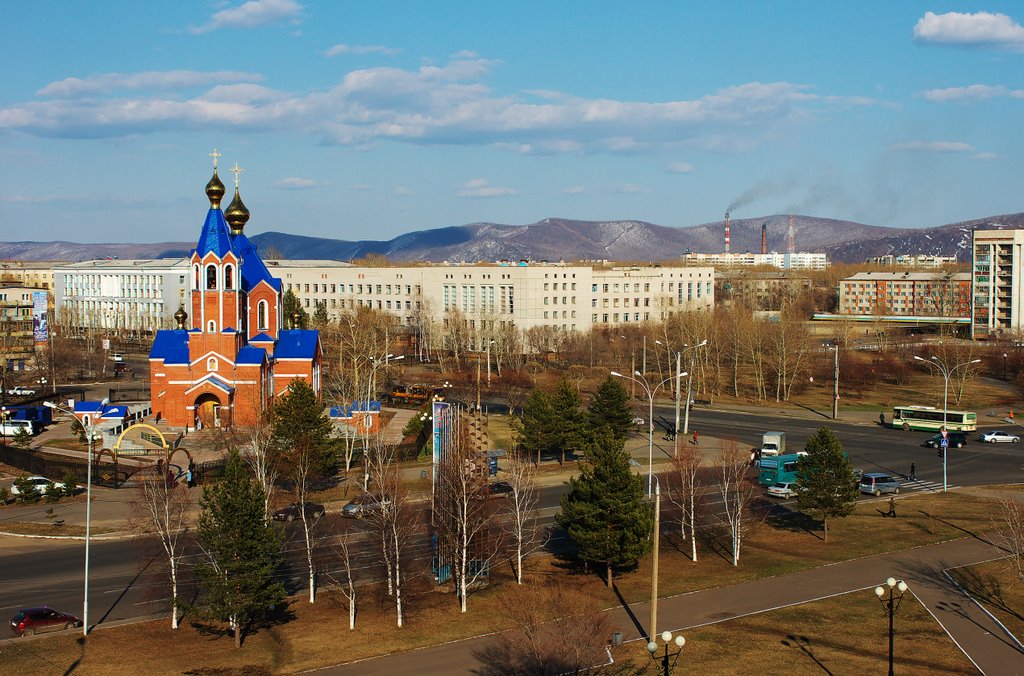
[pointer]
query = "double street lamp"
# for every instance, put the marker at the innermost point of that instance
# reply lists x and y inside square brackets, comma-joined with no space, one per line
[90,430]
[666,638]
[946,372]
[649,390]
[891,605]
[689,382]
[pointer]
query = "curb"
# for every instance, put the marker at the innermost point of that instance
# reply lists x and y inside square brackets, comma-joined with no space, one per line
[1020,646]
[105,536]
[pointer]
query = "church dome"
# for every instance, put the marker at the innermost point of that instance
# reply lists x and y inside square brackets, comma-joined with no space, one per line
[237,215]
[215,191]
[181,317]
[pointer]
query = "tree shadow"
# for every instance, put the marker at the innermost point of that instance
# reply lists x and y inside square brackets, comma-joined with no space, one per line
[826,416]
[803,644]
[986,588]
[785,518]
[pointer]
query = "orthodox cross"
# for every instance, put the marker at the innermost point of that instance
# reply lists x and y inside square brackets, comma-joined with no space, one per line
[215,155]
[236,170]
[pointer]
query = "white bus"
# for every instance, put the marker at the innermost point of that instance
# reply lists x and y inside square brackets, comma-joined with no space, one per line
[929,419]
[9,428]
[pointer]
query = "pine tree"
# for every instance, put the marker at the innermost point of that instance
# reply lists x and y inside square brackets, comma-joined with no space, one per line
[242,552]
[610,406]
[320,317]
[290,304]
[298,421]
[825,478]
[536,427]
[569,427]
[604,512]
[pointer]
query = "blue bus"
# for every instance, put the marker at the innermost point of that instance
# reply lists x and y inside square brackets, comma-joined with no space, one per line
[778,469]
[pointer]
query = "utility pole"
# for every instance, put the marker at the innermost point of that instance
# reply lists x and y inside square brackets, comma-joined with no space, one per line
[679,395]
[645,356]
[654,565]
[835,385]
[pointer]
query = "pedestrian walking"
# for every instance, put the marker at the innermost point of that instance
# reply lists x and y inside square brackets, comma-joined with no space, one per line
[881,419]
[913,474]
[892,507]
[695,437]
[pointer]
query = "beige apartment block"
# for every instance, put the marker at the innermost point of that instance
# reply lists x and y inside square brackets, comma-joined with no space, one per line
[997,268]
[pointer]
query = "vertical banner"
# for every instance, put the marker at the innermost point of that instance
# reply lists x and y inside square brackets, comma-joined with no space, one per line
[40,328]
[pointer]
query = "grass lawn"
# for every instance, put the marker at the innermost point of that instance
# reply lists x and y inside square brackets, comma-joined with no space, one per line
[996,586]
[845,634]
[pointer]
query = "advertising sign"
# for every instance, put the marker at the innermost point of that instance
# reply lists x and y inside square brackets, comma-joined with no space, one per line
[40,329]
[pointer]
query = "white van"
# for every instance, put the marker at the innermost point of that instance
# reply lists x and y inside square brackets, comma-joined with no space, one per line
[11,427]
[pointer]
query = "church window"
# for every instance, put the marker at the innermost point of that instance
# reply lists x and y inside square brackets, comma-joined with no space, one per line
[211,276]
[229,276]
[261,315]
[197,277]
[211,364]
[211,327]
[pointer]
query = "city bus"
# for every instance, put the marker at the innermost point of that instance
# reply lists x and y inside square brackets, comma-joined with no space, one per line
[778,469]
[929,419]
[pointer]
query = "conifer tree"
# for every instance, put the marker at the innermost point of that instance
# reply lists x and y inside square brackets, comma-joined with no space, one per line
[610,406]
[298,422]
[290,303]
[568,423]
[536,424]
[604,512]
[242,552]
[825,479]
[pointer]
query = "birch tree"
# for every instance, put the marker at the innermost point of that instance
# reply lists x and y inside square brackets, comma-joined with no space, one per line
[395,523]
[736,494]
[262,457]
[686,492]
[524,531]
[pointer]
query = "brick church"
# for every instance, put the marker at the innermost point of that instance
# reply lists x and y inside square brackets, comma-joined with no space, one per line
[230,355]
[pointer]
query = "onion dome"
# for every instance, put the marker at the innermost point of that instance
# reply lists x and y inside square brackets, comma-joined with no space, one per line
[215,190]
[236,214]
[297,319]
[181,317]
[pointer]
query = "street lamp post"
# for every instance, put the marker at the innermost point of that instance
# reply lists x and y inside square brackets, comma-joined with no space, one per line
[689,382]
[891,605]
[1004,365]
[3,423]
[666,664]
[835,380]
[642,381]
[90,430]
[946,372]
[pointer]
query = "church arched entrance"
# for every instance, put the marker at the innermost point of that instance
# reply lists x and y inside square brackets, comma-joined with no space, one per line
[208,411]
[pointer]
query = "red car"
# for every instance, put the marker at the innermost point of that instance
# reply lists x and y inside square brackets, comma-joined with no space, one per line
[37,620]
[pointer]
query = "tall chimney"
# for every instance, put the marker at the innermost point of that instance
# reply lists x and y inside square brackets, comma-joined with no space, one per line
[764,238]
[791,236]
[726,232]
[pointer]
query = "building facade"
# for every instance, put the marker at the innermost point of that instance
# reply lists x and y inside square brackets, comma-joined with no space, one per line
[912,261]
[997,269]
[784,261]
[230,356]
[130,296]
[34,274]
[760,290]
[17,343]
[906,294]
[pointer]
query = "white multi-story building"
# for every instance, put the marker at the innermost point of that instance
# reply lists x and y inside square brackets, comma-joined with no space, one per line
[997,272]
[119,295]
[785,261]
[912,261]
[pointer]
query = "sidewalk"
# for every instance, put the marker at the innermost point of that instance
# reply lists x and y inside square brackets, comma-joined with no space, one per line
[922,568]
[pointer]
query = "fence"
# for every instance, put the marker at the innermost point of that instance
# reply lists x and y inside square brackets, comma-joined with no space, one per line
[118,394]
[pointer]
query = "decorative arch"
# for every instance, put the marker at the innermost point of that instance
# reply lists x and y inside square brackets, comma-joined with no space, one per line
[229,274]
[211,326]
[207,409]
[196,285]
[163,440]
[262,308]
[211,276]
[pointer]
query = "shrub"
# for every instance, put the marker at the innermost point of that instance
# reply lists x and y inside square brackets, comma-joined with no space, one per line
[4,495]
[70,483]
[26,489]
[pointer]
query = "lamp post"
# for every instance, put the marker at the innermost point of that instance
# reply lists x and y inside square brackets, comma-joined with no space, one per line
[1004,365]
[891,605]
[3,423]
[642,381]
[946,372]
[689,382]
[834,349]
[90,430]
[489,343]
[666,637]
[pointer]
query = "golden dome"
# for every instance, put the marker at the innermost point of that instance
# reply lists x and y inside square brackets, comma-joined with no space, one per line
[297,319]
[215,190]
[181,317]
[236,215]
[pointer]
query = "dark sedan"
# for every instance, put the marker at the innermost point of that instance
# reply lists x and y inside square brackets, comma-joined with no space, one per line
[292,512]
[28,621]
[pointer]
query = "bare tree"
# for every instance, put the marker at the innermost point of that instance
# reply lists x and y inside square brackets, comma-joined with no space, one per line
[737,493]
[524,531]
[347,584]
[262,456]
[395,521]
[161,505]
[686,492]
[1010,529]
[302,470]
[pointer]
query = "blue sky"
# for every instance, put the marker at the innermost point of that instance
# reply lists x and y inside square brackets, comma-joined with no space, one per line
[365,120]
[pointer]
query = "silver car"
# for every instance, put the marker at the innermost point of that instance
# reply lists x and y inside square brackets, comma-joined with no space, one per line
[876,483]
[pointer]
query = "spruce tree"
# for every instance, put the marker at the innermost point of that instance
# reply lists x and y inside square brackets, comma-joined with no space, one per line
[825,479]
[290,303]
[536,427]
[298,421]
[242,552]
[604,512]
[569,428]
[610,406]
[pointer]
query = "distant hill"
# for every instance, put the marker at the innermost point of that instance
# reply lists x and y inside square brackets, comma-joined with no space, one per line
[556,239]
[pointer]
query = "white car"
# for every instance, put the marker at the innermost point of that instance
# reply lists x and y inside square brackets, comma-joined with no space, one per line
[41,484]
[637,421]
[21,391]
[996,436]
[782,490]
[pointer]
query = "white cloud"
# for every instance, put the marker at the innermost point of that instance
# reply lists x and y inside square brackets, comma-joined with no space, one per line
[975,92]
[402,191]
[680,168]
[933,147]
[985,157]
[572,190]
[360,187]
[252,14]
[340,49]
[981,29]
[295,183]
[105,83]
[629,188]
[479,187]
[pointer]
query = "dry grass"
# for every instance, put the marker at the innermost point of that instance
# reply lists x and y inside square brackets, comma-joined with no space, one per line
[846,634]
[29,528]
[996,586]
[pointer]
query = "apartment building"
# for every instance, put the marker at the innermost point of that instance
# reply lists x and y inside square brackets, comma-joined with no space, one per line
[17,344]
[34,274]
[906,294]
[784,261]
[912,261]
[997,268]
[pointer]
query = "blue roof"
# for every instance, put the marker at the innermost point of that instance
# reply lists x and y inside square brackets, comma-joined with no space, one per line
[216,238]
[87,406]
[171,345]
[115,412]
[251,355]
[105,411]
[254,270]
[297,344]
[356,407]
[214,380]
[261,338]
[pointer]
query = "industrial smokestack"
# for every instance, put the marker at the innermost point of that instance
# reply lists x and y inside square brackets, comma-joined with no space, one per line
[764,238]
[791,236]
[726,232]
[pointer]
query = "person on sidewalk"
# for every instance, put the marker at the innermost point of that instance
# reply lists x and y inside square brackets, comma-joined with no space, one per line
[881,419]
[695,438]
[913,474]
[892,507]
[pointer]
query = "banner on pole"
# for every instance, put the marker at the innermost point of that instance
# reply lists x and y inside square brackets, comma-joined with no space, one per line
[40,328]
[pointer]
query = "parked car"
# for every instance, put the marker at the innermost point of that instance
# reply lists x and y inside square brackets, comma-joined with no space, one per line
[999,436]
[876,483]
[38,620]
[21,391]
[291,512]
[364,505]
[956,440]
[41,485]
[782,490]
[638,421]
[117,357]
[496,489]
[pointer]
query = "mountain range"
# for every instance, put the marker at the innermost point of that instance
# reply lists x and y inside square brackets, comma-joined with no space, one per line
[555,239]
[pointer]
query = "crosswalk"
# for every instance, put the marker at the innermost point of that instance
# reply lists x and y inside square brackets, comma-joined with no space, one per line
[921,486]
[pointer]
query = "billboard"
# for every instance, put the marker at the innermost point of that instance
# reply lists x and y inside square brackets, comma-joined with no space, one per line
[40,328]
